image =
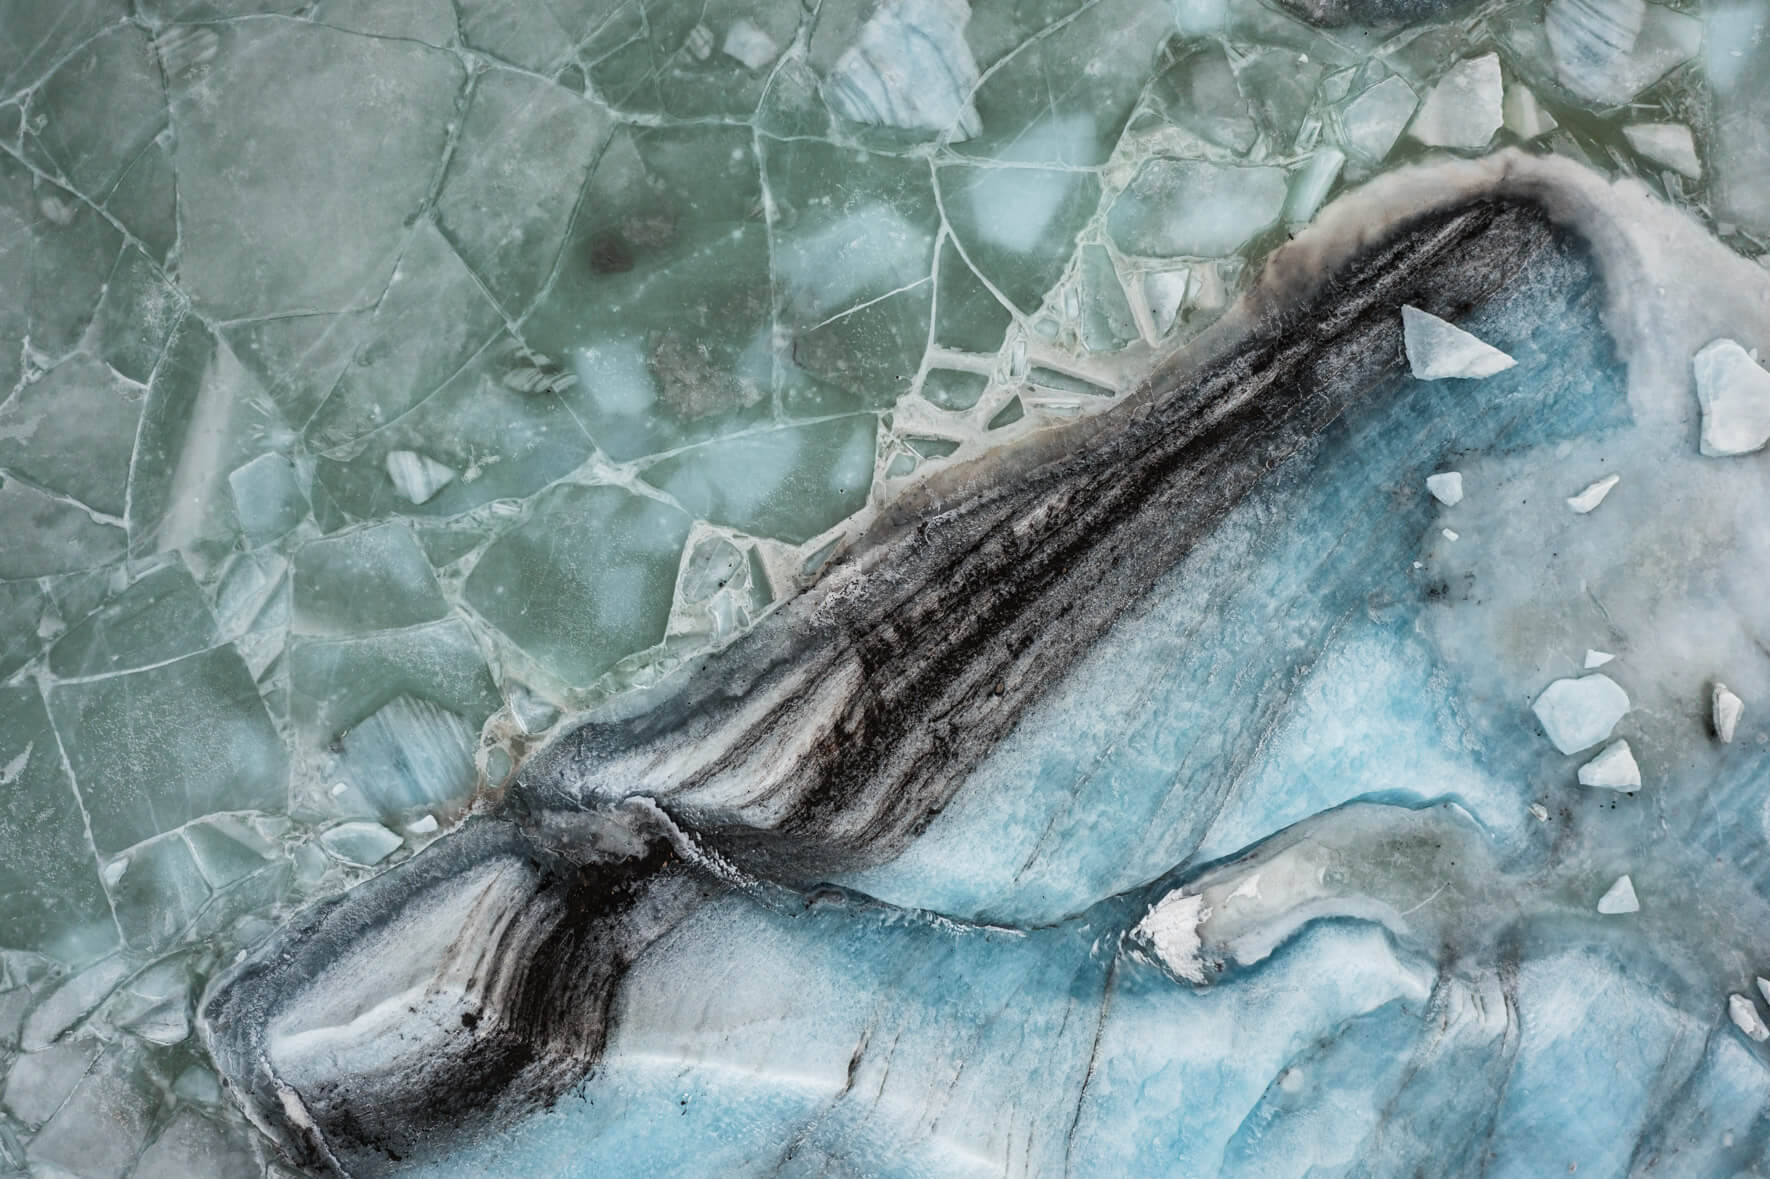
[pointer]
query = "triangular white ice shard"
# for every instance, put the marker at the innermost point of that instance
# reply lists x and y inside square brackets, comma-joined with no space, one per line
[1446,487]
[1436,349]
[1735,396]
[1613,769]
[1744,1014]
[1578,713]
[1620,898]
[1593,495]
[1725,711]
[416,476]
[1670,144]
[1525,116]
[1596,658]
[1764,988]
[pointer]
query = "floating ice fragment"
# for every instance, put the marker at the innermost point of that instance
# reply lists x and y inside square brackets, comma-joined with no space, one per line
[362,843]
[1372,122]
[1311,184]
[1725,711]
[1446,487]
[1524,115]
[1578,713]
[113,871]
[1171,927]
[1734,392]
[749,45]
[910,68]
[1451,534]
[1744,1014]
[1670,144]
[1764,987]
[1619,898]
[1613,769]
[1595,658]
[1539,812]
[416,476]
[1464,109]
[423,826]
[1436,349]
[1589,38]
[1593,495]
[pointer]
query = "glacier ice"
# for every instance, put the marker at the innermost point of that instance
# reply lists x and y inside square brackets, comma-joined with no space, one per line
[1437,349]
[1725,709]
[1619,898]
[1588,499]
[1577,713]
[1613,769]
[1446,487]
[1734,392]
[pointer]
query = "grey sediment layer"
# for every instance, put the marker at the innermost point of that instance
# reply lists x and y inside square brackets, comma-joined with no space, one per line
[824,739]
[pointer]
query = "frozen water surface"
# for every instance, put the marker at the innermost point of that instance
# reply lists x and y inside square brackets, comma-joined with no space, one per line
[888,587]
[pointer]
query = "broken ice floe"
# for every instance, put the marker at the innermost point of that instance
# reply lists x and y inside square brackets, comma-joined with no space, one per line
[1744,1014]
[1578,713]
[1725,709]
[1436,349]
[910,68]
[1450,534]
[1670,144]
[1446,487]
[1764,987]
[1539,812]
[1372,122]
[363,844]
[1613,769]
[1464,109]
[1524,115]
[416,476]
[1593,495]
[1734,391]
[749,45]
[1595,658]
[1619,898]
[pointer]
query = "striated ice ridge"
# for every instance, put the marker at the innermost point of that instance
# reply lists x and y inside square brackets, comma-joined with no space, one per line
[909,68]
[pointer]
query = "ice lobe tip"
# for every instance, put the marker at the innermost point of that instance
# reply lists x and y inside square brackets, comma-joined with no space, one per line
[1436,349]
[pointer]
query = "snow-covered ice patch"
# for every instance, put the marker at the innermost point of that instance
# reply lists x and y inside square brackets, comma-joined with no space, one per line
[1593,495]
[1171,928]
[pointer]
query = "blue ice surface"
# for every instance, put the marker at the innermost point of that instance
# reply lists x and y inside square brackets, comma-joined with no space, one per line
[974,1008]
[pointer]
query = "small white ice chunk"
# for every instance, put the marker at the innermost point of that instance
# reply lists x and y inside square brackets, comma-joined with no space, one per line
[1670,144]
[1725,710]
[416,476]
[1578,713]
[1735,396]
[1539,812]
[1446,487]
[1465,108]
[422,826]
[1525,116]
[1620,898]
[1764,988]
[1172,929]
[1436,349]
[749,45]
[1596,658]
[1451,534]
[1593,495]
[1613,769]
[1744,1014]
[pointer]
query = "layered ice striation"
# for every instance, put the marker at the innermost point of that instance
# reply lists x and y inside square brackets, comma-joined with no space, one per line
[1181,761]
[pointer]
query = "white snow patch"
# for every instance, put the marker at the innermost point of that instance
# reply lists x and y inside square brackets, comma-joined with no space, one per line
[1171,927]
[1620,898]
[1734,392]
[1613,769]
[1593,495]
[1578,713]
[1446,487]
[1436,349]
